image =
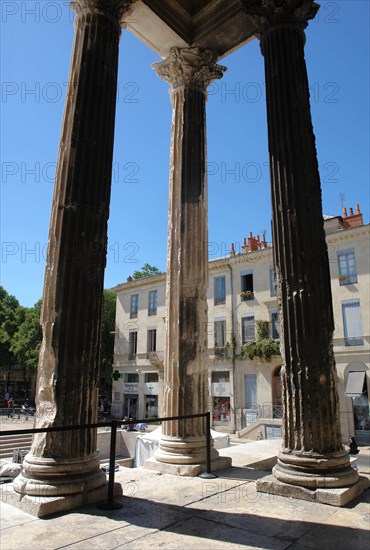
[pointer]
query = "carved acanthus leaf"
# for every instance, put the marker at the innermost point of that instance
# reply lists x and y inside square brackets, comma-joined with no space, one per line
[189,67]
[266,14]
[119,9]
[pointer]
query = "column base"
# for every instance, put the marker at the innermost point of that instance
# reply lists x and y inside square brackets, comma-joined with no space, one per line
[51,485]
[54,477]
[339,496]
[313,470]
[183,450]
[190,470]
[45,506]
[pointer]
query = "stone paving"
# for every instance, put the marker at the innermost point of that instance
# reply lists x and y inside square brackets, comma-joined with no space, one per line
[164,511]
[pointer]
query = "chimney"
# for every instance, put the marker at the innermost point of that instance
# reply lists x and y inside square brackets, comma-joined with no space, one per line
[353,220]
[263,242]
[252,243]
[245,247]
[232,251]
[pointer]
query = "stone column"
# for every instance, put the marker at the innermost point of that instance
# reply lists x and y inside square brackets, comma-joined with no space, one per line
[67,463]
[312,454]
[189,71]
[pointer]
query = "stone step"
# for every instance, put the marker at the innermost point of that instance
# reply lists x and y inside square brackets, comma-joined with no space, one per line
[9,444]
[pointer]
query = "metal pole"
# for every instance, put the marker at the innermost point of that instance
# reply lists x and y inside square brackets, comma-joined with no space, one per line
[111,504]
[208,435]
[208,474]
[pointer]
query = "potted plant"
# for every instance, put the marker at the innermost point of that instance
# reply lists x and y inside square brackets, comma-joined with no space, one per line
[342,277]
[247,295]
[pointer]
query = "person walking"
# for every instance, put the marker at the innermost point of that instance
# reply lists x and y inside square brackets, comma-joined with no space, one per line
[10,407]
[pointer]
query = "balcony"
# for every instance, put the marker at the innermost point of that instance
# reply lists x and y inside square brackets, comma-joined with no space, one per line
[220,353]
[156,358]
[247,295]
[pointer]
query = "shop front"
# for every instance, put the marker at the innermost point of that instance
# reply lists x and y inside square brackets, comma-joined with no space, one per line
[220,392]
[130,399]
[151,395]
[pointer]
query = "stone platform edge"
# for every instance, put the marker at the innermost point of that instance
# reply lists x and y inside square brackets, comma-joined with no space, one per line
[192,470]
[339,496]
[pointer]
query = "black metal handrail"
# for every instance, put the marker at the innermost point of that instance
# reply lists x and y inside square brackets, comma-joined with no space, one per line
[110,504]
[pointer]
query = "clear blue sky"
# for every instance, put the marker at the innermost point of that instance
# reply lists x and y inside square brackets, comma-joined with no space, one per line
[36,44]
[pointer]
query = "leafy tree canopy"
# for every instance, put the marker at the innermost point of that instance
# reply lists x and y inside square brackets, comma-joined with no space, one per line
[27,340]
[146,271]
[12,315]
[107,327]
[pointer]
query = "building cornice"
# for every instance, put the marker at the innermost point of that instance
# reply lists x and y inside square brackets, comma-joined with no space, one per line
[139,283]
[350,233]
[242,257]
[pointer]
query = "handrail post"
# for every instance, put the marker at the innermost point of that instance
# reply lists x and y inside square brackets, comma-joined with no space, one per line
[112,460]
[208,474]
[111,504]
[208,434]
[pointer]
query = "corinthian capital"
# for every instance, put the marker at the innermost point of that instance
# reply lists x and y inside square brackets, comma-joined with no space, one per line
[266,14]
[118,9]
[189,67]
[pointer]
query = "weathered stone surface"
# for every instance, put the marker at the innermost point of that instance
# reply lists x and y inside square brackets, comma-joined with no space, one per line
[338,496]
[190,470]
[72,299]
[266,14]
[312,448]
[45,504]
[189,71]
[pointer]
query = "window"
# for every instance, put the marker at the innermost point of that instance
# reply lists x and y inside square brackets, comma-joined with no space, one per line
[275,324]
[250,390]
[152,308]
[131,378]
[246,283]
[356,384]
[220,290]
[151,377]
[352,323]
[220,376]
[152,340]
[248,331]
[220,334]
[132,344]
[272,281]
[347,267]
[134,306]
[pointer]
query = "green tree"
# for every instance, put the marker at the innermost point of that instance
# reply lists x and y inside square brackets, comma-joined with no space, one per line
[146,271]
[26,342]
[107,327]
[12,315]
[262,346]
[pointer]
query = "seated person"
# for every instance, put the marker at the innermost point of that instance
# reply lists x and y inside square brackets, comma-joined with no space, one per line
[352,447]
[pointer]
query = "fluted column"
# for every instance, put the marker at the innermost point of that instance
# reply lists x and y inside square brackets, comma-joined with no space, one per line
[312,453]
[66,463]
[189,71]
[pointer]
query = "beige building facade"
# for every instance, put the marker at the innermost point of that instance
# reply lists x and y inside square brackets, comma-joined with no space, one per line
[245,394]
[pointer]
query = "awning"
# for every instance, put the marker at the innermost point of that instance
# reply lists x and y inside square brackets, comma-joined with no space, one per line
[355,383]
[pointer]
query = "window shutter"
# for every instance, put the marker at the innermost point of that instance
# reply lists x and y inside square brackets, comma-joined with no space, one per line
[352,322]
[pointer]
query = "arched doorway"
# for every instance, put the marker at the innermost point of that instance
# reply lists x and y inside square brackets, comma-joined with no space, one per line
[276,394]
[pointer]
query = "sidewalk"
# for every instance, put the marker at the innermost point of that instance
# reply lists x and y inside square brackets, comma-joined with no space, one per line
[163,511]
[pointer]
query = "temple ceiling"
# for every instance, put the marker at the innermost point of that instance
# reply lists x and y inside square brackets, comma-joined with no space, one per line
[220,25]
